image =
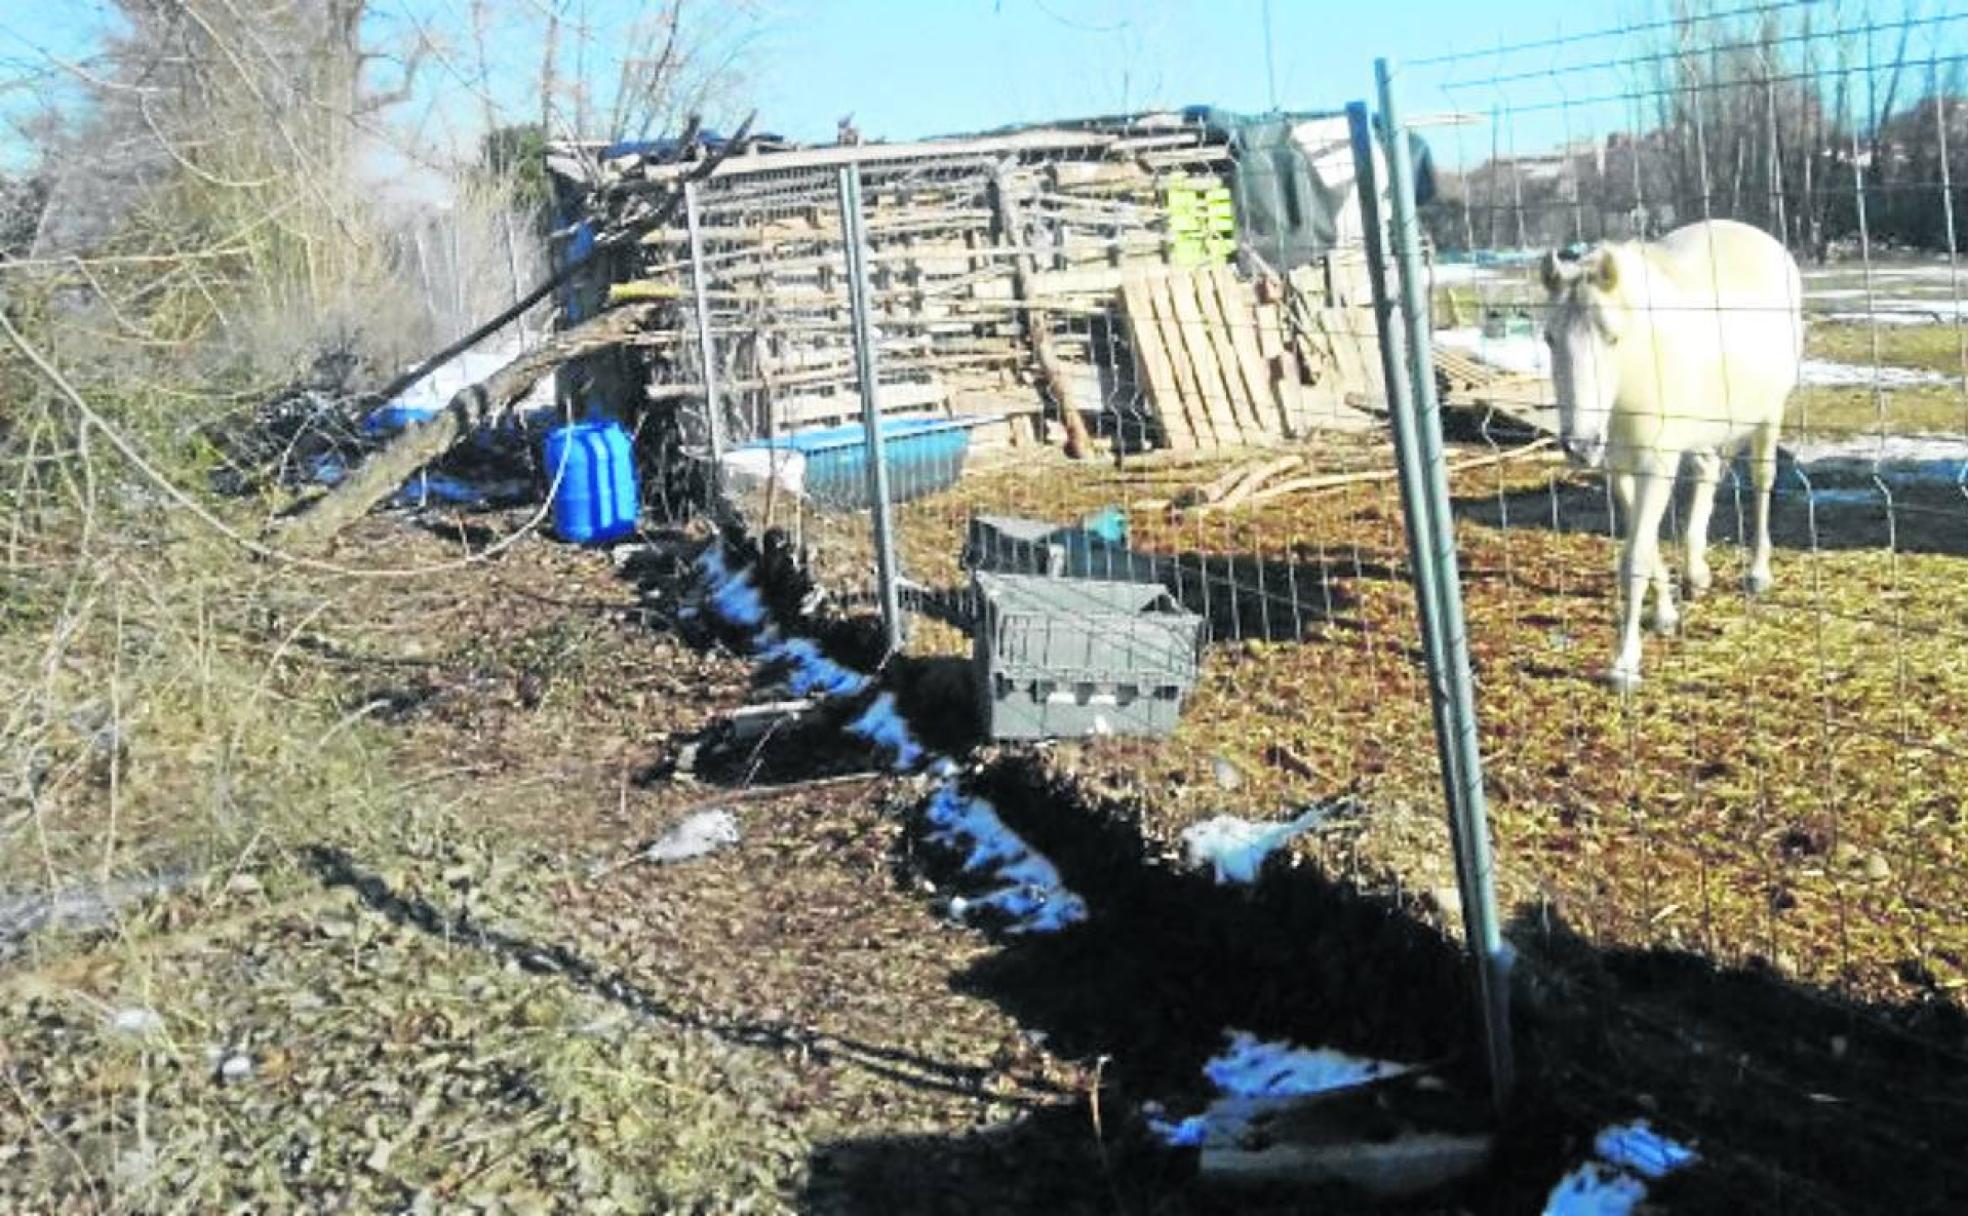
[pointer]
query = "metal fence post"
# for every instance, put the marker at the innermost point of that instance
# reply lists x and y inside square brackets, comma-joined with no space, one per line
[1431,528]
[706,342]
[854,240]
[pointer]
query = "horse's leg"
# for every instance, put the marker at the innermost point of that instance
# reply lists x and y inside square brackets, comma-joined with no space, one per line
[1639,560]
[1763,475]
[1701,506]
[1665,618]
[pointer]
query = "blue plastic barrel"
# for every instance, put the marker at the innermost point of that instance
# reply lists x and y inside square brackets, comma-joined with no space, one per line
[597,499]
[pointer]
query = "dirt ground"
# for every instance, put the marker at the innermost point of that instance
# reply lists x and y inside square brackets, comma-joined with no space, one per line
[479,1001]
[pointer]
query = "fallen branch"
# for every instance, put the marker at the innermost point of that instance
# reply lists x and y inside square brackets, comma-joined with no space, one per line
[1335,481]
[382,474]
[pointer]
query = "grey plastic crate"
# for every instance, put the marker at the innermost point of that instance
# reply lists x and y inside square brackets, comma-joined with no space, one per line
[1066,657]
[1009,544]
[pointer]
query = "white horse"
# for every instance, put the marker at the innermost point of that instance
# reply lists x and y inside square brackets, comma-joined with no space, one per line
[1685,346]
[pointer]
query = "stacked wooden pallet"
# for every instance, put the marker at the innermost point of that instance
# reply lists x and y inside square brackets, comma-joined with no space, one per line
[1213,365]
[1223,366]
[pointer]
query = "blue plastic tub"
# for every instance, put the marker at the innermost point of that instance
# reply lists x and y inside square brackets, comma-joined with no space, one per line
[597,499]
[924,455]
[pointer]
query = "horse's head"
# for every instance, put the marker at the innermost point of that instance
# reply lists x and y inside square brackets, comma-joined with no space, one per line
[1587,317]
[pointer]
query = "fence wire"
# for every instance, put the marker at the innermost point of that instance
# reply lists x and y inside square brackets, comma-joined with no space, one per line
[1782,791]
[1084,374]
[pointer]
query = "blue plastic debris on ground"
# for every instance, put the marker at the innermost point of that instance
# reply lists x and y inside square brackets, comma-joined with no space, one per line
[1641,1149]
[1631,1155]
[1596,1190]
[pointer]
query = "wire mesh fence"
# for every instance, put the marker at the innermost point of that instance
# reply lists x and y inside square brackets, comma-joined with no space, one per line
[1782,787]
[1098,365]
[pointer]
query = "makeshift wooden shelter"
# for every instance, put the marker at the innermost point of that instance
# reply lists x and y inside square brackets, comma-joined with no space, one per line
[1150,281]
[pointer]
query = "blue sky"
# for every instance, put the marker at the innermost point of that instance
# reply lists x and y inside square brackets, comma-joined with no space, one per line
[943,66]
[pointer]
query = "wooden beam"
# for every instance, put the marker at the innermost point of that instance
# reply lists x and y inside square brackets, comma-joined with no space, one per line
[875,154]
[385,472]
[1038,329]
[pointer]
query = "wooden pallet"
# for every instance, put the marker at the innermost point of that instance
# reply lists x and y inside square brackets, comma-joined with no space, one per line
[1212,365]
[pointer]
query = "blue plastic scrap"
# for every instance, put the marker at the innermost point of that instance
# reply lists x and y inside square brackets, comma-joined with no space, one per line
[1596,1190]
[733,597]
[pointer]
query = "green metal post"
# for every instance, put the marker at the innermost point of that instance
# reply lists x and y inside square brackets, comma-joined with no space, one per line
[1452,684]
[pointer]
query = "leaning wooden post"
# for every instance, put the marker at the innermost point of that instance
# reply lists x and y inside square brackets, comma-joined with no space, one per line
[1037,329]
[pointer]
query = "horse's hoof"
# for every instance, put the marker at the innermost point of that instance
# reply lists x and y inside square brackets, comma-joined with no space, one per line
[1623,680]
[1666,626]
[1699,581]
[1756,583]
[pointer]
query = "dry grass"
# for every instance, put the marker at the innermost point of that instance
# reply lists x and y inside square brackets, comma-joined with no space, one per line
[1787,785]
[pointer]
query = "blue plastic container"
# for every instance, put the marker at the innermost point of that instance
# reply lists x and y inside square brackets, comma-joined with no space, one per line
[924,455]
[597,499]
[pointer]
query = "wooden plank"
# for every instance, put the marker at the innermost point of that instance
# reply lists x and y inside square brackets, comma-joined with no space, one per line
[1038,327]
[1216,327]
[1240,314]
[1281,369]
[1211,392]
[1151,357]
[1189,394]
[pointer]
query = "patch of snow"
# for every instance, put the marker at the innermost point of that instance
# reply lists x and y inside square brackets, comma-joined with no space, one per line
[1845,471]
[1825,373]
[1894,449]
[1250,1069]
[1902,311]
[137,1020]
[1520,354]
[1639,1148]
[696,836]
[881,725]
[1033,896]
[810,671]
[757,468]
[1447,274]
[427,398]
[1630,1155]
[1236,848]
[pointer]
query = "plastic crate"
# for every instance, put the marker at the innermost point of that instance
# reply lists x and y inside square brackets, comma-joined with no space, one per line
[1095,548]
[1067,658]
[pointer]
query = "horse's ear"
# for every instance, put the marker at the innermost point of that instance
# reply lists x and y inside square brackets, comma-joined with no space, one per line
[1552,272]
[1605,271]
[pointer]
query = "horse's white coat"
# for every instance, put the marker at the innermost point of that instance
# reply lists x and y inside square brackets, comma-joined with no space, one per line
[1688,346]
